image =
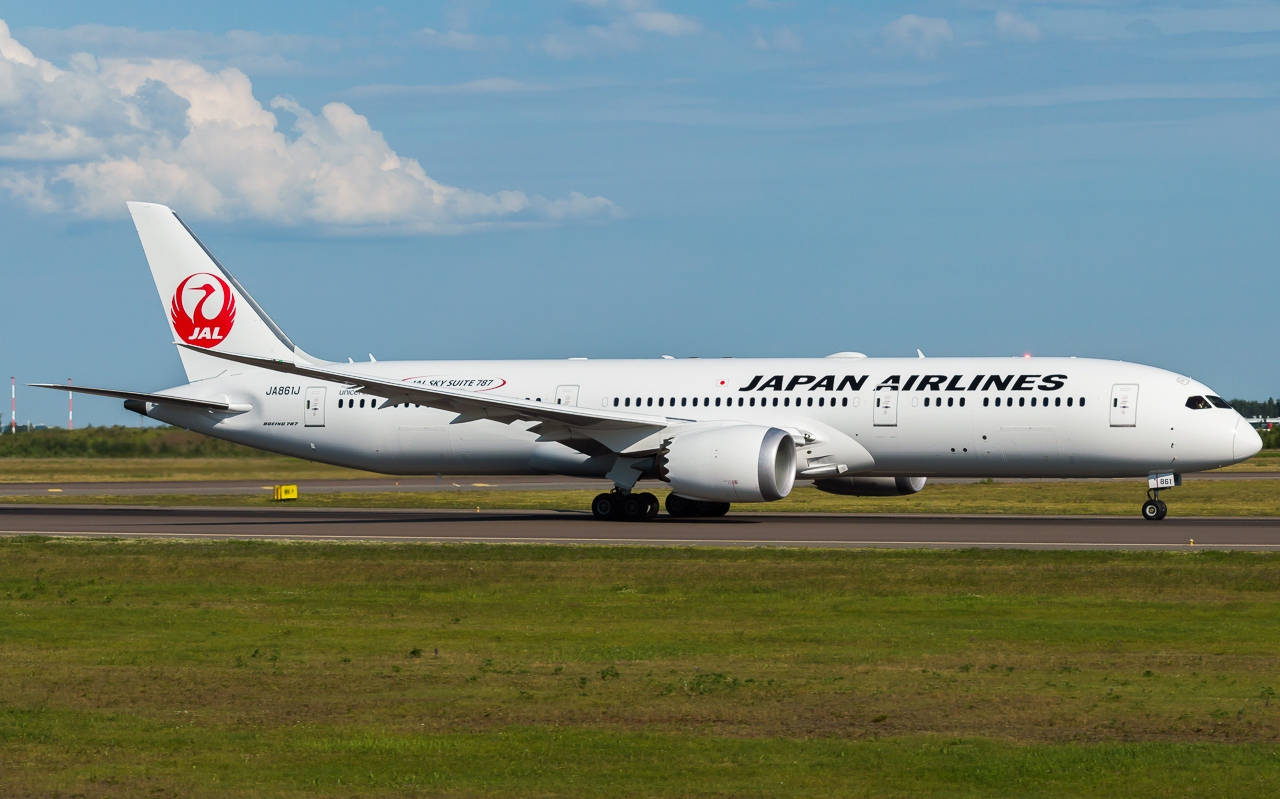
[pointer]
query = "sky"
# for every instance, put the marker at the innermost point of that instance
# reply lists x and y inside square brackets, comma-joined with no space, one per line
[625,178]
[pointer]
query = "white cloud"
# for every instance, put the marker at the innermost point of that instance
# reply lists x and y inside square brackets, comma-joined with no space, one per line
[87,137]
[920,36]
[663,22]
[260,53]
[783,40]
[1011,26]
[457,40]
[616,25]
[496,85]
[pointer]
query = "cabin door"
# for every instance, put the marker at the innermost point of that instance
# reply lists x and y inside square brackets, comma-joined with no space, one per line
[313,410]
[1124,405]
[566,395]
[884,412]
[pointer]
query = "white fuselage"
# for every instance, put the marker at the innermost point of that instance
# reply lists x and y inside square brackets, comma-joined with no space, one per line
[1030,417]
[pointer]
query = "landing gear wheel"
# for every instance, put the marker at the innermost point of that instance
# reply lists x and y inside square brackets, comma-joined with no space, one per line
[605,506]
[1164,509]
[679,507]
[1153,510]
[633,507]
[651,506]
[714,508]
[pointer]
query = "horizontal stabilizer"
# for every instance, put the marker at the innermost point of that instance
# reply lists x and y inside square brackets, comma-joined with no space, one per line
[159,399]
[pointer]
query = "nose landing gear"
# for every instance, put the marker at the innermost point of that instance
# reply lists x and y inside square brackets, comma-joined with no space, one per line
[1153,510]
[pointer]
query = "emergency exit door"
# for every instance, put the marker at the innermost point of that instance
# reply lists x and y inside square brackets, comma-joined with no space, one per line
[884,412]
[566,395]
[1124,405]
[313,409]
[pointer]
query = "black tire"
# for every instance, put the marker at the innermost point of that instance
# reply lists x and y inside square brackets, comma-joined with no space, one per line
[632,508]
[715,508]
[651,507]
[1151,510]
[1164,509]
[679,507]
[604,507]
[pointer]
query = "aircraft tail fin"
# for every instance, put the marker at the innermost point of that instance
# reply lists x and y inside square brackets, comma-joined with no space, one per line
[205,305]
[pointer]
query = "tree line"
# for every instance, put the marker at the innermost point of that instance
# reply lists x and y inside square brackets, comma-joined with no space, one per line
[1269,407]
[118,441]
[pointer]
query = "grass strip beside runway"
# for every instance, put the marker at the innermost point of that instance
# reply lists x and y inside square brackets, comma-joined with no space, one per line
[1119,498]
[264,669]
[270,468]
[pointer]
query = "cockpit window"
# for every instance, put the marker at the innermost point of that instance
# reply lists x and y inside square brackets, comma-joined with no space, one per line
[1218,402]
[1198,403]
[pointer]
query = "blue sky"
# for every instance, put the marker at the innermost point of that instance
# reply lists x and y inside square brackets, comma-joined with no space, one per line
[626,179]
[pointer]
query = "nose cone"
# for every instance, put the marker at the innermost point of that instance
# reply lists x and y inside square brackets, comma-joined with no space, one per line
[1248,442]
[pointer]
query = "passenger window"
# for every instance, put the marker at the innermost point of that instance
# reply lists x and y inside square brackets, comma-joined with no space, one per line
[1219,402]
[361,403]
[718,401]
[962,402]
[809,401]
[1057,402]
[1070,400]
[775,402]
[684,401]
[627,402]
[1022,401]
[786,402]
[659,402]
[649,402]
[1082,402]
[615,402]
[753,402]
[951,401]
[926,402]
[1033,402]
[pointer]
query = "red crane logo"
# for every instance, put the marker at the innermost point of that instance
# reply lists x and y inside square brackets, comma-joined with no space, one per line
[194,319]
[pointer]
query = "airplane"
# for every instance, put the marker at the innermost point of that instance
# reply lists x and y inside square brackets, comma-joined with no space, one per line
[717,431]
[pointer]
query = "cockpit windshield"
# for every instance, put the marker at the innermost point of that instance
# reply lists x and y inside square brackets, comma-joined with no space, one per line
[1219,402]
[1198,403]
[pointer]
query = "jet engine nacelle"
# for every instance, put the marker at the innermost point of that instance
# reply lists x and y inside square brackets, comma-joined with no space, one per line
[740,463]
[854,486]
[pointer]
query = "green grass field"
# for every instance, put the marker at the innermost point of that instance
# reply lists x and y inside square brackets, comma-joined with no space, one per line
[291,670]
[277,468]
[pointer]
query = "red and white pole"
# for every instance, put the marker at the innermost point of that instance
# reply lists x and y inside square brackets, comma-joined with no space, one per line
[69,396]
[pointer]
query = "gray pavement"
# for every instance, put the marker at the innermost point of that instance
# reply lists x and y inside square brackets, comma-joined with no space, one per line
[737,529]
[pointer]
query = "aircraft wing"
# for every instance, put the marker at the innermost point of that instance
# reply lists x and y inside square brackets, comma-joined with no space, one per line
[165,399]
[470,405]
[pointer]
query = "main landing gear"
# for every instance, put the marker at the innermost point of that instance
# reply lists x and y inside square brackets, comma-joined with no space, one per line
[617,506]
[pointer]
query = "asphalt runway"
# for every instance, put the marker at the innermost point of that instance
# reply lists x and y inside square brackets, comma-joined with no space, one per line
[442,483]
[737,529]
